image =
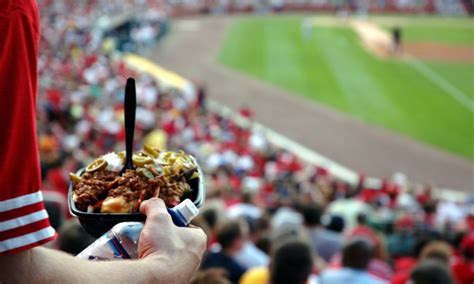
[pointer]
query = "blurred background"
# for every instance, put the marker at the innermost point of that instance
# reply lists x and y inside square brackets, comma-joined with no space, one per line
[328,130]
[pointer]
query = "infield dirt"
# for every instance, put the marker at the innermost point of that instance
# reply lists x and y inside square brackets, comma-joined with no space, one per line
[379,42]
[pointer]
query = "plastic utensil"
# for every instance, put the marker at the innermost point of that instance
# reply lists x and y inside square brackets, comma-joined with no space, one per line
[130,103]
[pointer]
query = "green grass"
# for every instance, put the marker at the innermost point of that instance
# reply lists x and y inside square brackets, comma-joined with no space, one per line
[432,29]
[330,67]
[460,75]
[452,35]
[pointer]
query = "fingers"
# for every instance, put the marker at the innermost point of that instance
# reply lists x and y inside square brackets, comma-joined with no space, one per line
[194,236]
[202,240]
[152,203]
[155,210]
[192,226]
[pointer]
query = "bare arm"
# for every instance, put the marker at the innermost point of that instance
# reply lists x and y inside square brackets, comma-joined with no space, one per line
[169,254]
[42,265]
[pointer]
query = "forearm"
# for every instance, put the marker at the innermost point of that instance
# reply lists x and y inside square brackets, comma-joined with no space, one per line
[41,265]
[171,255]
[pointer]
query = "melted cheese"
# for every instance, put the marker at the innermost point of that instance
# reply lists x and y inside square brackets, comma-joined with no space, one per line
[115,205]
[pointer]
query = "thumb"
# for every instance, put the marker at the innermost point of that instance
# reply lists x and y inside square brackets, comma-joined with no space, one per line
[155,210]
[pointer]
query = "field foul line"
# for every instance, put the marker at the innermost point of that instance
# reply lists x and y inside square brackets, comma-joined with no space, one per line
[431,75]
[373,36]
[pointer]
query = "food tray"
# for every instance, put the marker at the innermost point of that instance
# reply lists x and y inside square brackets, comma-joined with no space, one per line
[97,224]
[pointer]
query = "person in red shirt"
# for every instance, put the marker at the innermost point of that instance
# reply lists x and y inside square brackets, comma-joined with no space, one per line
[166,256]
[463,265]
[20,199]
[245,111]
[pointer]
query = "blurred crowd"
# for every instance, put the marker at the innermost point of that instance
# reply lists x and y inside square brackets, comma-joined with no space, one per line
[444,7]
[269,216]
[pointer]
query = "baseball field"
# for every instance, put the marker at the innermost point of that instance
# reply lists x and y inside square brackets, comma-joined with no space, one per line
[424,91]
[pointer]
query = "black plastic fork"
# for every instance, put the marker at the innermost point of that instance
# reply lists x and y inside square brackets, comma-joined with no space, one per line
[130,103]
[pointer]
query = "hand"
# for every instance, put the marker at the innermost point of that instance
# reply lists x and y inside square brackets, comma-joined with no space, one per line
[180,248]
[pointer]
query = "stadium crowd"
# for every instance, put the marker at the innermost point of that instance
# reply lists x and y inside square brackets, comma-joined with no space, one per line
[268,215]
[444,7]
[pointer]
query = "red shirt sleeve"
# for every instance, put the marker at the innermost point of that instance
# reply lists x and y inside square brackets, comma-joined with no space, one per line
[24,222]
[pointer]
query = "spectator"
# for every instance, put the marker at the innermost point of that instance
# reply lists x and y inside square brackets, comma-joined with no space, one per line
[362,229]
[211,276]
[207,220]
[439,250]
[402,242]
[424,249]
[325,243]
[246,111]
[333,223]
[356,256]
[55,212]
[291,264]
[463,265]
[264,243]
[73,238]
[202,98]
[250,255]
[230,238]
[431,271]
[245,208]
[348,209]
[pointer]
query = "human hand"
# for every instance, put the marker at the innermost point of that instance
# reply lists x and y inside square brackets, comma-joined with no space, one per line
[180,248]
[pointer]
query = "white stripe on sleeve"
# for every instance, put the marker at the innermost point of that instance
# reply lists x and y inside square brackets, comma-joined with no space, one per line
[21,201]
[27,239]
[23,220]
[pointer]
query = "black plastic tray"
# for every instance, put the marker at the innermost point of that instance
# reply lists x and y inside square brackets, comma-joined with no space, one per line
[97,224]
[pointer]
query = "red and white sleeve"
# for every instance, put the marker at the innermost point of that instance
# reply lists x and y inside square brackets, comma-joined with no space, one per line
[24,222]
